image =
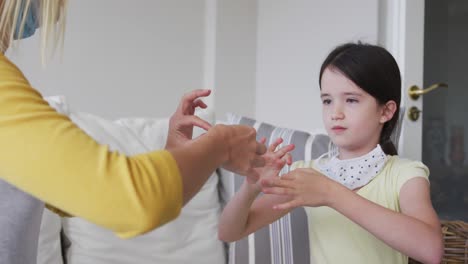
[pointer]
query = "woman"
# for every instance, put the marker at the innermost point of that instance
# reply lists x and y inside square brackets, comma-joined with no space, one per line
[47,156]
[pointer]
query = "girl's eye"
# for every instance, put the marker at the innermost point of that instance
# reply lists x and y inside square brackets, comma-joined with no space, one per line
[351,100]
[326,101]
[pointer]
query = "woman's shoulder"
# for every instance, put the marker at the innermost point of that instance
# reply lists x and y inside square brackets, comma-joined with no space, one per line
[9,70]
[14,87]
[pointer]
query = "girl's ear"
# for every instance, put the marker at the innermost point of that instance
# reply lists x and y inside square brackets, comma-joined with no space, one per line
[388,111]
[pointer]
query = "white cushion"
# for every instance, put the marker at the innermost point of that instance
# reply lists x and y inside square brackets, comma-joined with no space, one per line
[49,250]
[191,238]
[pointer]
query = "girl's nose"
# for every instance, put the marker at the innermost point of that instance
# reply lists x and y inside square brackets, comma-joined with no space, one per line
[337,114]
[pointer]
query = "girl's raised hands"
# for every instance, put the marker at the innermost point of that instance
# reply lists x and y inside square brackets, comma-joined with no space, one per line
[275,158]
[306,187]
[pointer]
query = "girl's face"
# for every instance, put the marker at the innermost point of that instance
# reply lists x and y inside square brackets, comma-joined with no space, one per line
[352,117]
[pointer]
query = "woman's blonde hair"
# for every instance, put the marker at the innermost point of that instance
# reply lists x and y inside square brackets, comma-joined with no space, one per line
[52,16]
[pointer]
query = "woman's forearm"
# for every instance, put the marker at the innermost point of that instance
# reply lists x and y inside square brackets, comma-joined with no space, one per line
[197,161]
[233,147]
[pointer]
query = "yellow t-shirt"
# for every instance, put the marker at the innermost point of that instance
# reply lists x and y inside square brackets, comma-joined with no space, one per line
[336,239]
[45,154]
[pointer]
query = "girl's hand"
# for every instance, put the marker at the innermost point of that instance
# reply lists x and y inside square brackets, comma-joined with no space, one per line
[306,187]
[275,159]
[183,120]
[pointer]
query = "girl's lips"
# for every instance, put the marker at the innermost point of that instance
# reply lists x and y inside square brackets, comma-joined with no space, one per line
[338,128]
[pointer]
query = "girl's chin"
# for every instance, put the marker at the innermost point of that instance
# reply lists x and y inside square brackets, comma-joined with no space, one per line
[340,142]
[344,145]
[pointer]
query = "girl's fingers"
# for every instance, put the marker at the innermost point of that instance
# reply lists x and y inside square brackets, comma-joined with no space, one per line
[288,177]
[287,206]
[277,182]
[262,140]
[275,144]
[281,163]
[282,151]
[288,159]
[277,191]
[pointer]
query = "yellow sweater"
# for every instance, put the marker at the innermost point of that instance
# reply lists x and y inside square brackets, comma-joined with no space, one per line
[336,239]
[43,153]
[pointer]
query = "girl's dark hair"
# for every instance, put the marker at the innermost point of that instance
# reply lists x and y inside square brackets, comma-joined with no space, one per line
[374,70]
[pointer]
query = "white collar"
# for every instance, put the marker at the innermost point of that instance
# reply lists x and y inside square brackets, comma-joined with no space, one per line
[353,173]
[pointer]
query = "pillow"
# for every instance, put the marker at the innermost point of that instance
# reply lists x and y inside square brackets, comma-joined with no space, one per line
[191,238]
[49,250]
[20,220]
[274,243]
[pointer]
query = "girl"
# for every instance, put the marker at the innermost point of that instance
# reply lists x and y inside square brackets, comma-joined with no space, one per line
[364,203]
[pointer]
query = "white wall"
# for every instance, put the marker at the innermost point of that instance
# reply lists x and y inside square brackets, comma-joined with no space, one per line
[261,57]
[236,35]
[293,39]
[124,58]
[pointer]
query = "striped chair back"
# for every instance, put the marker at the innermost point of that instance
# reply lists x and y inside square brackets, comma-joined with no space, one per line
[287,239]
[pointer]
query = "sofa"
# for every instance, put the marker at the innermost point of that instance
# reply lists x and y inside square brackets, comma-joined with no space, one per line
[192,237]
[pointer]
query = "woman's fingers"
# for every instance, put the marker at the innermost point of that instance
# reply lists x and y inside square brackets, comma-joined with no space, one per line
[191,96]
[260,150]
[199,103]
[196,121]
[258,162]
[189,100]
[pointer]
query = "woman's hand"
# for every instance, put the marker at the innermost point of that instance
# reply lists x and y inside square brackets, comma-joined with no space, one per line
[183,120]
[306,187]
[243,153]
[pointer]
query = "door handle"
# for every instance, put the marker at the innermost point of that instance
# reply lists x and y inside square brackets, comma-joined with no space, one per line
[414,91]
